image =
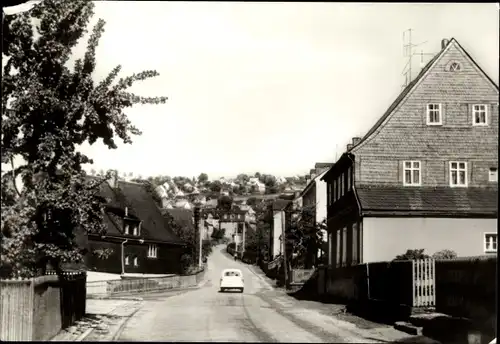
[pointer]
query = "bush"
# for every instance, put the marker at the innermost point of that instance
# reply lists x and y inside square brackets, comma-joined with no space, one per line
[412,255]
[445,254]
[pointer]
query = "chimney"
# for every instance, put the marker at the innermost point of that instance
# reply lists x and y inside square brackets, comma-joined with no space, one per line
[444,43]
[355,140]
[113,179]
[349,146]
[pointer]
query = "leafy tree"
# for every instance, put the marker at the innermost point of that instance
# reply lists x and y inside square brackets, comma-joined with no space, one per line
[414,254]
[215,186]
[225,203]
[48,110]
[251,201]
[303,237]
[445,254]
[242,178]
[218,234]
[203,178]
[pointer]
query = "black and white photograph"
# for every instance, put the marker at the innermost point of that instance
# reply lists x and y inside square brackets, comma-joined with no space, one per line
[212,171]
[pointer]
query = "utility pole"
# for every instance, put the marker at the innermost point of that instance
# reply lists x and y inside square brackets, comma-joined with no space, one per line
[243,239]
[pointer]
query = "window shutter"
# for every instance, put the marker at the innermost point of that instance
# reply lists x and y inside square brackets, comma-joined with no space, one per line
[470,174]
[400,172]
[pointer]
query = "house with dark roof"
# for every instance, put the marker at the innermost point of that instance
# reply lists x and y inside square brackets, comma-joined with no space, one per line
[425,175]
[136,232]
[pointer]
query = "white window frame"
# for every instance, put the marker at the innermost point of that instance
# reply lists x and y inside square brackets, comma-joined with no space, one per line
[127,261]
[136,261]
[458,169]
[428,112]
[126,230]
[412,169]
[492,235]
[152,251]
[493,175]
[474,111]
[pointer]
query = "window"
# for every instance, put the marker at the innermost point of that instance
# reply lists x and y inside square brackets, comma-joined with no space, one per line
[349,179]
[127,262]
[136,230]
[412,175]
[330,249]
[479,115]
[126,230]
[490,242]
[152,251]
[334,194]
[458,173]
[434,114]
[341,186]
[136,261]
[225,217]
[454,67]
[493,175]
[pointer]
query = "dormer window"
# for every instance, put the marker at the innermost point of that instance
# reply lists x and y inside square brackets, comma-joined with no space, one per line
[126,229]
[136,230]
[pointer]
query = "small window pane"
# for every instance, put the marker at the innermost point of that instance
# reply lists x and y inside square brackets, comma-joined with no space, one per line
[416,164]
[454,165]
[416,176]
[462,177]
[408,164]
[407,176]
[462,165]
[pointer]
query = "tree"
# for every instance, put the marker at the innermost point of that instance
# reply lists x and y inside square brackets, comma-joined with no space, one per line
[202,178]
[251,201]
[445,254]
[413,254]
[48,110]
[242,178]
[215,186]
[225,203]
[304,237]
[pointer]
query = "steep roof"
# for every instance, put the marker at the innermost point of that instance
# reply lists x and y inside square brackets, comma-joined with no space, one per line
[182,217]
[323,164]
[428,200]
[143,205]
[309,185]
[413,83]
[280,204]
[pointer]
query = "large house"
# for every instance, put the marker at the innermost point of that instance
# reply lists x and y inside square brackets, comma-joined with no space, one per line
[136,233]
[233,223]
[425,175]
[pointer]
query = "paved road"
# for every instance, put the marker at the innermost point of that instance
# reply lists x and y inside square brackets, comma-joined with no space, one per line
[260,314]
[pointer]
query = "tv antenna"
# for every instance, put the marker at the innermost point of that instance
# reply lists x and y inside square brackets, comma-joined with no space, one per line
[408,51]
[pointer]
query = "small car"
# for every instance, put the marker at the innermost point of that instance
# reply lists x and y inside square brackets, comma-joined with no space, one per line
[232,279]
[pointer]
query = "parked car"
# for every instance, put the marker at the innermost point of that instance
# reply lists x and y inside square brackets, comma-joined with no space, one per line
[232,279]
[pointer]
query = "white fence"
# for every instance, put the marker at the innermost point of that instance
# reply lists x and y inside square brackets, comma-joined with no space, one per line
[424,282]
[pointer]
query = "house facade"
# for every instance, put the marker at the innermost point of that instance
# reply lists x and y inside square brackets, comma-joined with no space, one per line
[233,222]
[279,216]
[425,175]
[136,234]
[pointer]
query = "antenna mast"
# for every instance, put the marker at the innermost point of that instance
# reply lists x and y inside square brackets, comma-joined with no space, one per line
[408,48]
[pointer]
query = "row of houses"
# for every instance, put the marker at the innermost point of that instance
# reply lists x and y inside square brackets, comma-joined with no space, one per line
[425,176]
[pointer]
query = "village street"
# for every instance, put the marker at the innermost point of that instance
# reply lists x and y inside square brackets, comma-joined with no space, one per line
[260,314]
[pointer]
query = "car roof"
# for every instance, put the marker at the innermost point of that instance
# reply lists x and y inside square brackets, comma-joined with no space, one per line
[234,270]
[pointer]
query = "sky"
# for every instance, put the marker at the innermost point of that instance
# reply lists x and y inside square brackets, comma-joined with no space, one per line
[267,87]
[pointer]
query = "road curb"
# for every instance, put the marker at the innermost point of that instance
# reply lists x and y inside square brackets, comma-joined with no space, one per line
[122,325]
[84,335]
[250,267]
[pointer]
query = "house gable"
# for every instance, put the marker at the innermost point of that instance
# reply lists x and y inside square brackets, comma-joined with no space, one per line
[403,133]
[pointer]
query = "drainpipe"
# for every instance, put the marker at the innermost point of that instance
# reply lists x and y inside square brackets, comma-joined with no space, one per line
[123,258]
[354,184]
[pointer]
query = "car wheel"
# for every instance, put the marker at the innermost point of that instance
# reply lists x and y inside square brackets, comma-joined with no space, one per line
[222,290]
[241,290]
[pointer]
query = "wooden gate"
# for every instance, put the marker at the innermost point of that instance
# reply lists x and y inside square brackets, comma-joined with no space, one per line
[424,282]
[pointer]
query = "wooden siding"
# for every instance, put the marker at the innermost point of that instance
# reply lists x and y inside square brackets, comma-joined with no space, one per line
[406,136]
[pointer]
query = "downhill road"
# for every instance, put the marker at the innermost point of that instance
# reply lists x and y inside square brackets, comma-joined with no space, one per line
[260,314]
